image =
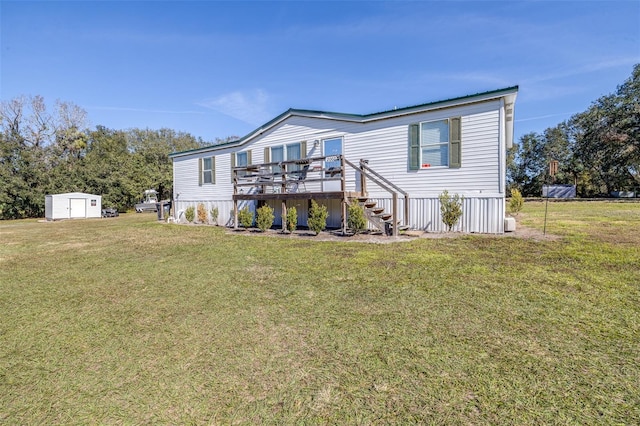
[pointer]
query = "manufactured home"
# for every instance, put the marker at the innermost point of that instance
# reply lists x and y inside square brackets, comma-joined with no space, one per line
[395,163]
[72,205]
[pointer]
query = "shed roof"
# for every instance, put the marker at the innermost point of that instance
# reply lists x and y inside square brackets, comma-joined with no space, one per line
[73,194]
[358,118]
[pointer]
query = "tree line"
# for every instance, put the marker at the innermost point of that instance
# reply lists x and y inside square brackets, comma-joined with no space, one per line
[597,150]
[48,152]
[43,152]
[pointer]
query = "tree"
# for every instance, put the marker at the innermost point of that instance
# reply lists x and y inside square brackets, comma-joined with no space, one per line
[527,170]
[606,138]
[598,149]
[151,166]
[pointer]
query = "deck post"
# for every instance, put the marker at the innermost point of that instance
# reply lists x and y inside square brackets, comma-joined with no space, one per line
[395,214]
[284,216]
[343,188]
[363,179]
[234,175]
[406,210]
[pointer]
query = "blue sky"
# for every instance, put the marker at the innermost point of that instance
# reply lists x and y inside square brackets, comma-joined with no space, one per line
[215,69]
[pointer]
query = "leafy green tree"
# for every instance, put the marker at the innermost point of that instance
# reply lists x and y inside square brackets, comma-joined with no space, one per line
[151,166]
[527,170]
[107,166]
[606,139]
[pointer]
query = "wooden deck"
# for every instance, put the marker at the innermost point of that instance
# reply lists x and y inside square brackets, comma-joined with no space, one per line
[287,180]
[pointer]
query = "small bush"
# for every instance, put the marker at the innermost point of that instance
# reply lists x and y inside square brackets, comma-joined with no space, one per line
[451,209]
[245,217]
[516,202]
[265,218]
[214,215]
[292,219]
[317,217]
[190,214]
[356,220]
[202,213]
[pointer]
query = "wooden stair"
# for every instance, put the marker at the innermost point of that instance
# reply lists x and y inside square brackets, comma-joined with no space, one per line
[377,216]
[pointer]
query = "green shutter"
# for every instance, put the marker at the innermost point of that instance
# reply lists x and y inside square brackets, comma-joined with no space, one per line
[455,143]
[267,155]
[249,157]
[303,149]
[233,164]
[414,147]
[213,169]
[200,171]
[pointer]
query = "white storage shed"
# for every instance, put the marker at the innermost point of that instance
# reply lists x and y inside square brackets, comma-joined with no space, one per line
[73,205]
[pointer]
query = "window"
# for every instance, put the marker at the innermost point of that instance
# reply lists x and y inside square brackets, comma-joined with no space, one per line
[277,155]
[435,144]
[207,170]
[293,153]
[240,159]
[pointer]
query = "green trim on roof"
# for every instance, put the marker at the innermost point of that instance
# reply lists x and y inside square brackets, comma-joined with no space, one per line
[344,116]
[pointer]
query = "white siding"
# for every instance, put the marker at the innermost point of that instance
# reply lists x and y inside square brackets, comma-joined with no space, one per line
[384,143]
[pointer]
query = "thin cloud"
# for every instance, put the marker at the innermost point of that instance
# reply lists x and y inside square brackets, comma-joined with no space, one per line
[249,107]
[591,67]
[542,117]
[154,111]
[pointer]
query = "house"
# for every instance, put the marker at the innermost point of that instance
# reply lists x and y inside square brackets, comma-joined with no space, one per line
[72,205]
[395,162]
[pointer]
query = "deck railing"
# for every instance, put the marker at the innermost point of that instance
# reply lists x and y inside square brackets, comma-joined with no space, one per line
[287,176]
[284,179]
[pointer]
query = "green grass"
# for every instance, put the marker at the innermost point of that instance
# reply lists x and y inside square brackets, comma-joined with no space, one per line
[130,321]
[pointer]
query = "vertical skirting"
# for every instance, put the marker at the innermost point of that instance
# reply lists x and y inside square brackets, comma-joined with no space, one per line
[480,215]
[484,215]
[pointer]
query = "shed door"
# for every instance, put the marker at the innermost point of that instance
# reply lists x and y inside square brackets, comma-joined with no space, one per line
[77,207]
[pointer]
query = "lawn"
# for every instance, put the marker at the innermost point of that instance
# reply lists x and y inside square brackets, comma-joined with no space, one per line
[130,321]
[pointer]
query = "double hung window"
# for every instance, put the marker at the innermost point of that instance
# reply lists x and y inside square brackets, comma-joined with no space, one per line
[207,170]
[435,144]
[240,159]
[289,152]
[293,153]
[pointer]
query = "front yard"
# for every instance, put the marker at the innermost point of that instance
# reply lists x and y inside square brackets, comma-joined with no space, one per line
[130,321]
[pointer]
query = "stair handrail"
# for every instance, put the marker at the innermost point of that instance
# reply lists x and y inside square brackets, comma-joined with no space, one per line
[388,186]
[364,165]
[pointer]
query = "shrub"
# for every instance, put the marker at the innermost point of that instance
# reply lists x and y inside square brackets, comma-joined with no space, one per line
[516,202]
[190,214]
[245,217]
[317,217]
[355,219]
[451,209]
[202,213]
[292,219]
[214,215]
[265,218]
